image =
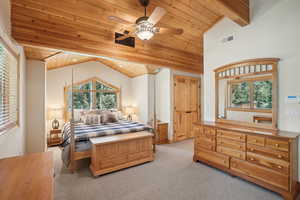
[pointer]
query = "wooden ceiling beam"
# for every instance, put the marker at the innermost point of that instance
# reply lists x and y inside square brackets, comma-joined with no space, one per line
[236,10]
[52,55]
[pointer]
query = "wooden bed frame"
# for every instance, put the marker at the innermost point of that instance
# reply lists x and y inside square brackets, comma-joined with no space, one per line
[112,153]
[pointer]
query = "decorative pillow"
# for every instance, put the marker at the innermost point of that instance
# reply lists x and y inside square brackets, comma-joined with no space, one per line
[118,114]
[92,119]
[108,117]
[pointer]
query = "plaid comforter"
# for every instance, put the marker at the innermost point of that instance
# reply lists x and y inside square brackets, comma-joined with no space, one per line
[83,132]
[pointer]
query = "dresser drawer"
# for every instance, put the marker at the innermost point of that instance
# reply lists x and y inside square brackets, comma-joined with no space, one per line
[275,164]
[282,145]
[257,140]
[268,152]
[232,135]
[261,173]
[231,152]
[198,130]
[214,157]
[205,138]
[208,131]
[232,144]
[202,144]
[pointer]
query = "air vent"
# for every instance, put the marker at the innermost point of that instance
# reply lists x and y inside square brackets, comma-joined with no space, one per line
[130,42]
[227,39]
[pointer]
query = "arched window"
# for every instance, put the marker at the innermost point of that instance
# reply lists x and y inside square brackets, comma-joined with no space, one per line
[91,94]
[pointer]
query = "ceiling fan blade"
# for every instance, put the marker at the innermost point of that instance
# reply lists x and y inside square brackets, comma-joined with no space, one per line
[119,20]
[175,31]
[157,14]
[125,36]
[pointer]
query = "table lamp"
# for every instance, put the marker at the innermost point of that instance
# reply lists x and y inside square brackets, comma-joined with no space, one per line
[129,111]
[55,113]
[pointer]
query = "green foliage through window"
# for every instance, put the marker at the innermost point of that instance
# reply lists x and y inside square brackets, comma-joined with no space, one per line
[261,91]
[93,95]
[240,94]
[263,94]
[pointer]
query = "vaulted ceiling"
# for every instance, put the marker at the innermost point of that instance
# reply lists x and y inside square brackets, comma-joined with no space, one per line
[55,59]
[82,26]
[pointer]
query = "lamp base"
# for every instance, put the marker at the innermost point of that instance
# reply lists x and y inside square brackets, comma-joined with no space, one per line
[129,118]
[55,124]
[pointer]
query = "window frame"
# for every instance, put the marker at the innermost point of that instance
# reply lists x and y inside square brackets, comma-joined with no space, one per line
[16,56]
[115,90]
[251,93]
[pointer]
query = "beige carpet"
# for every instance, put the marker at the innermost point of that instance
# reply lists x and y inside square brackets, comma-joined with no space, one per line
[172,176]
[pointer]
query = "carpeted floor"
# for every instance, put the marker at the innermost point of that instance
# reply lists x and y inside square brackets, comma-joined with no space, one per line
[172,176]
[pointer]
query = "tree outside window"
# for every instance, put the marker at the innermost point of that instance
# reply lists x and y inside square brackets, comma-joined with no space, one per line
[250,95]
[92,94]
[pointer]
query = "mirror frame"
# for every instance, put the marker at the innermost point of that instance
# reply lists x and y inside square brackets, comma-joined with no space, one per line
[254,67]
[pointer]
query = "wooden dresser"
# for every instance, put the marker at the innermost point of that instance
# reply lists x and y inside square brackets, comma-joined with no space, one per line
[268,160]
[28,177]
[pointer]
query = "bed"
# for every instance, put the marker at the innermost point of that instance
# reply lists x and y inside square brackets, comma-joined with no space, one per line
[78,145]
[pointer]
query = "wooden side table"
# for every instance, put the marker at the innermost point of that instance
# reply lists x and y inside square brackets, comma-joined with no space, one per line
[28,177]
[55,137]
[162,133]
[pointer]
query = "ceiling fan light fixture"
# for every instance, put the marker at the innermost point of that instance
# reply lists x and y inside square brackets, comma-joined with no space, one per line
[145,30]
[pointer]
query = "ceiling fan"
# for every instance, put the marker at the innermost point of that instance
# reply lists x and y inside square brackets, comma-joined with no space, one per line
[144,27]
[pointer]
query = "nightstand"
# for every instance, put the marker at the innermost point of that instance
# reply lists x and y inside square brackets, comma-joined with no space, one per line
[55,137]
[162,133]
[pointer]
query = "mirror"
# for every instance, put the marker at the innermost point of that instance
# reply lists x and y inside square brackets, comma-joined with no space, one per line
[246,93]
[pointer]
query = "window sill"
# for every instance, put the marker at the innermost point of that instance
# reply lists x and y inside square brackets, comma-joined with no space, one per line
[250,110]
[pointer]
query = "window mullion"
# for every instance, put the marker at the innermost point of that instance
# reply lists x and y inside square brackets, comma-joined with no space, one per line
[251,95]
[94,94]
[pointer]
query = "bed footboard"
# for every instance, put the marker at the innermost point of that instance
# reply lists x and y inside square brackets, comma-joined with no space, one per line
[120,151]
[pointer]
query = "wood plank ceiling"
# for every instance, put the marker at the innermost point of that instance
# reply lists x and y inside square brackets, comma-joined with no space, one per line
[57,59]
[82,26]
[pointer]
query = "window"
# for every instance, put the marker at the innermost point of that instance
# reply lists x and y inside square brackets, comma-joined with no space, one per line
[8,88]
[240,95]
[251,94]
[92,94]
[262,94]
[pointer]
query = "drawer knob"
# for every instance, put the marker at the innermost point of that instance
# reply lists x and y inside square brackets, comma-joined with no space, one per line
[255,140]
[279,156]
[279,167]
[252,159]
[276,145]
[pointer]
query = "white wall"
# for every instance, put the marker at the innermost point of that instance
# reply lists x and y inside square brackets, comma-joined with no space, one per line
[163,98]
[141,97]
[35,104]
[12,143]
[59,78]
[274,32]
[163,95]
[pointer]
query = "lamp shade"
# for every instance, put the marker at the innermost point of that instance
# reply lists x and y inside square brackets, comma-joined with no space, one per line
[130,110]
[55,113]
